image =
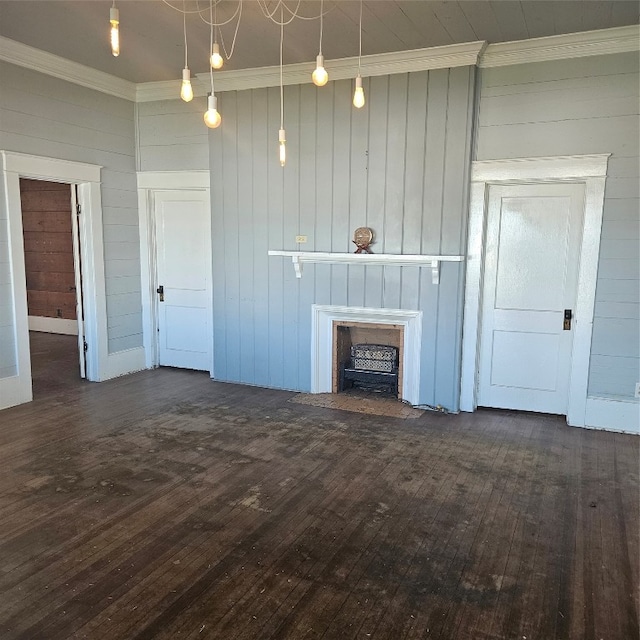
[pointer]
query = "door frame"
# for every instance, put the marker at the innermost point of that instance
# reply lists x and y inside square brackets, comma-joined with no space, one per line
[149,183]
[18,388]
[589,170]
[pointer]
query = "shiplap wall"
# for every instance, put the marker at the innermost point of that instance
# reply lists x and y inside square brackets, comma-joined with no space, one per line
[44,116]
[172,136]
[582,106]
[400,166]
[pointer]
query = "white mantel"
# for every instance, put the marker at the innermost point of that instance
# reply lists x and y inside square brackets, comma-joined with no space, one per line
[371,259]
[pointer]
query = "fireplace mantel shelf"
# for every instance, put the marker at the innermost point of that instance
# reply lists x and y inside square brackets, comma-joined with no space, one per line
[371,259]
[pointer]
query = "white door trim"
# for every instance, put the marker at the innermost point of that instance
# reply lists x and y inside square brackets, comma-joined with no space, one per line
[17,389]
[148,183]
[590,170]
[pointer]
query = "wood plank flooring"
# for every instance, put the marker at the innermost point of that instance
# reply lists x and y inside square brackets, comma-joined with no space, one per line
[164,505]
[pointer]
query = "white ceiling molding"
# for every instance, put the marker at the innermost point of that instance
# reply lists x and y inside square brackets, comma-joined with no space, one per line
[449,56]
[31,58]
[570,45]
[573,45]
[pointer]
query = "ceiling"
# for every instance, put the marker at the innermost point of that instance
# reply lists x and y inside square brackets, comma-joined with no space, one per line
[152,46]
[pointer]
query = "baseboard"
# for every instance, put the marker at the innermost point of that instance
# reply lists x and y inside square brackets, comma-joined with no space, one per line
[123,362]
[613,415]
[53,325]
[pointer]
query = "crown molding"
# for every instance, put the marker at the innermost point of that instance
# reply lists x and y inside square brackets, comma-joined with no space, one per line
[28,57]
[570,45]
[573,45]
[455,55]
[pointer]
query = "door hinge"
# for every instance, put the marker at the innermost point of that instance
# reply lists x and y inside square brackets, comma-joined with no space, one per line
[78,208]
[85,346]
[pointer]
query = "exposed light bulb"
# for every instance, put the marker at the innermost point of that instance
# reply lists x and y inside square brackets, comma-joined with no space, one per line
[212,117]
[358,95]
[216,59]
[114,19]
[320,76]
[283,149]
[186,91]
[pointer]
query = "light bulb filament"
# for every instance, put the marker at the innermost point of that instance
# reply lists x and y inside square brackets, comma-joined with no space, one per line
[186,91]
[114,19]
[358,95]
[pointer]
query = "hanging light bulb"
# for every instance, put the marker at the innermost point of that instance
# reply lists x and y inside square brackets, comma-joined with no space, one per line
[212,117]
[320,76]
[114,19]
[216,59]
[283,149]
[186,91]
[358,94]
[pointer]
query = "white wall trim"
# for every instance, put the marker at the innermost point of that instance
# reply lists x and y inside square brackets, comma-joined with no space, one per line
[53,325]
[444,57]
[28,57]
[613,415]
[322,317]
[124,362]
[15,166]
[150,182]
[174,180]
[570,45]
[589,170]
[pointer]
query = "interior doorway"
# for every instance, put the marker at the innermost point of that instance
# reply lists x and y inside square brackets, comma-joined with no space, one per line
[53,270]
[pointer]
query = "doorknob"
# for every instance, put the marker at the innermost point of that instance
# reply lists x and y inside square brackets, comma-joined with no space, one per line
[160,290]
[568,315]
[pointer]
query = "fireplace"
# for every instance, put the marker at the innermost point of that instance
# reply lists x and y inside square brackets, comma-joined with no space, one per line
[368,356]
[335,329]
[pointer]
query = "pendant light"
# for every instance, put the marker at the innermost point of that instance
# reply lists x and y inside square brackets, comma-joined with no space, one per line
[114,19]
[320,76]
[358,94]
[186,91]
[212,117]
[216,59]
[282,138]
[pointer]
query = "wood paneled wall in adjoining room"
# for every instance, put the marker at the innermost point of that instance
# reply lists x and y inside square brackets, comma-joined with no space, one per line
[48,249]
[399,165]
[582,106]
[45,116]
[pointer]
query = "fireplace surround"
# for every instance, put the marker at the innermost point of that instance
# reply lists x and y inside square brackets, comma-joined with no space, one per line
[322,344]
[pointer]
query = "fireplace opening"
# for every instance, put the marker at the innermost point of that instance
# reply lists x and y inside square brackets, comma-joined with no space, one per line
[367,358]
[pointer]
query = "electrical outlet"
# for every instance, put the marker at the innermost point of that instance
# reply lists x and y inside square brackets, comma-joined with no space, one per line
[301,239]
[637,394]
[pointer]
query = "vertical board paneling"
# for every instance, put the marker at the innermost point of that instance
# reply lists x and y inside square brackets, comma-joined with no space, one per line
[583,105]
[398,165]
[45,116]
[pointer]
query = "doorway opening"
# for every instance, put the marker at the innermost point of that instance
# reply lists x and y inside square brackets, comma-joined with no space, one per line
[53,273]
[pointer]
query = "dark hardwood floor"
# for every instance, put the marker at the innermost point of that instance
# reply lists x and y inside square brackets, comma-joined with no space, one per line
[164,505]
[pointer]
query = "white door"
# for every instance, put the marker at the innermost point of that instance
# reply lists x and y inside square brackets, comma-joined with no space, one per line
[530,279]
[183,240]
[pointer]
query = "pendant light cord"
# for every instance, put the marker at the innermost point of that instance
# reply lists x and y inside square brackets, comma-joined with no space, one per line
[184,24]
[360,43]
[281,85]
[321,23]
[211,41]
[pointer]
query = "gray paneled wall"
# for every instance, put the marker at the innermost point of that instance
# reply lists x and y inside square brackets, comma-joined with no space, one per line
[44,116]
[399,165]
[581,106]
[8,361]
[172,135]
